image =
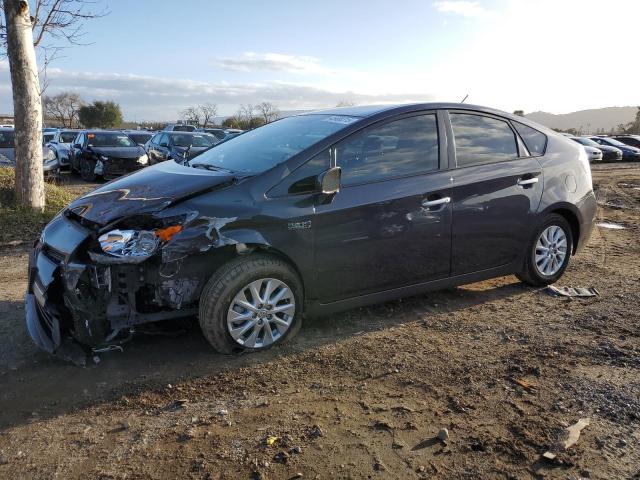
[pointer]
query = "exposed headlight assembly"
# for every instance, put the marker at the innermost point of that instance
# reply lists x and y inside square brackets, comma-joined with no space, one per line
[135,244]
[143,160]
[50,156]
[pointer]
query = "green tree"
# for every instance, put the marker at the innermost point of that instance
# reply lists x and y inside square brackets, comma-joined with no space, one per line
[231,122]
[100,115]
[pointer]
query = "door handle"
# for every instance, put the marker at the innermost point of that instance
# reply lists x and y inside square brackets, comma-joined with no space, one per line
[528,181]
[435,203]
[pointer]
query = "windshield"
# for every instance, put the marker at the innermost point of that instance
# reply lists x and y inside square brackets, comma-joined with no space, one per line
[218,133]
[193,140]
[615,143]
[586,141]
[140,138]
[67,137]
[183,128]
[259,150]
[108,139]
[6,138]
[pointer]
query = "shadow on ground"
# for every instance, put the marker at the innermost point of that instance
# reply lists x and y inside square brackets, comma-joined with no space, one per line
[35,385]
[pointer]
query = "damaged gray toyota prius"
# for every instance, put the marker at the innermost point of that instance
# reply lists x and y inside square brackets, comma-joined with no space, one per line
[308,215]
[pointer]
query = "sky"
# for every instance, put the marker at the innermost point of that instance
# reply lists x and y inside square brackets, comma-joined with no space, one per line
[156,58]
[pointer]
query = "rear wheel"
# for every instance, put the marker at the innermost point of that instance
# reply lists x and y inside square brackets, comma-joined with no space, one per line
[252,303]
[87,168]
[548,252]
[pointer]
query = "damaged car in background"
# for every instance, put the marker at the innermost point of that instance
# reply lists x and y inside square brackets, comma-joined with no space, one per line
[105,153]
[50,161]
[308,215]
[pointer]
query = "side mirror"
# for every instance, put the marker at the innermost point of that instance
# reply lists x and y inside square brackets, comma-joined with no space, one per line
[329,181]
[77,145]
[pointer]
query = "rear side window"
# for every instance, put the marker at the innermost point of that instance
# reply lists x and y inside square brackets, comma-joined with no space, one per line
[535,141]
[482,139]
[400,148]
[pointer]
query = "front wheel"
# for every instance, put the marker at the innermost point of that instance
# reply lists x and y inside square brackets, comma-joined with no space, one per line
[251,303]
[87,170]
[548,252]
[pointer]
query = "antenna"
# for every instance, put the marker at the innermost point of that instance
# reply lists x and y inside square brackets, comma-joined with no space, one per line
[465,97]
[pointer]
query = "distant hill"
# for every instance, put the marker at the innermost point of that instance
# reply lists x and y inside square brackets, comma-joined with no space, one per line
[595,119]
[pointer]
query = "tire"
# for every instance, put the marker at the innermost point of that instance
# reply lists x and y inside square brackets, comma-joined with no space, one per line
[533,274]
[229,282]
[87,170]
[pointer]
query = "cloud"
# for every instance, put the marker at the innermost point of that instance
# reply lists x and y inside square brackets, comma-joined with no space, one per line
[271,62]
[156,98]
[461,7]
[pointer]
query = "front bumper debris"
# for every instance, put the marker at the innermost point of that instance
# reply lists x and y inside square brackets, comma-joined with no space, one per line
[70,294]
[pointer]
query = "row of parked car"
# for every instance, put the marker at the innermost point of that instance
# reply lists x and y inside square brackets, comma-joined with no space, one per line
[610,149]
[111,153]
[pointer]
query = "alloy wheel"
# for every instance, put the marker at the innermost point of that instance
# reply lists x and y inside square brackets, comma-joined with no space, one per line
[551,250]
[261,313]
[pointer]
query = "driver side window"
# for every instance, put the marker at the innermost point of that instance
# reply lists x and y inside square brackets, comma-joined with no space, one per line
[400,148]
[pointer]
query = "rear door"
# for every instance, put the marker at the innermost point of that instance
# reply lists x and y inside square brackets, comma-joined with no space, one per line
[497,187]
[389,225]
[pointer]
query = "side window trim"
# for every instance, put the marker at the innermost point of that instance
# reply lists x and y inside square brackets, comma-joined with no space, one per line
[334,159]
[454,157]
[527,153]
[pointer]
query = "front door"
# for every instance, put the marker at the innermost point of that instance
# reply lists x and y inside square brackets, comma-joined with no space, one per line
[389,225]
[496,191]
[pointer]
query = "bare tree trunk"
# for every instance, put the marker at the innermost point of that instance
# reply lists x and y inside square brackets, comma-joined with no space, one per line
[27,106]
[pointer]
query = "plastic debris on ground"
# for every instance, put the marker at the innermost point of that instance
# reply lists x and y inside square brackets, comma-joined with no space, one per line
[569,438]
[572,291]
[611,226]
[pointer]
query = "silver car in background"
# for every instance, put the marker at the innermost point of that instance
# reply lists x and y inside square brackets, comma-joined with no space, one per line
[61,145]
[7,153]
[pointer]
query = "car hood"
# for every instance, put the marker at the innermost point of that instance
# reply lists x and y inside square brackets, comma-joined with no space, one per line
[146,191]
[629,148]
[119,152]
[591,149]
[9,154]
[607,148]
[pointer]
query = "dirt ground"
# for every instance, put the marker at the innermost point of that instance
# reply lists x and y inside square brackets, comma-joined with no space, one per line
[503,367]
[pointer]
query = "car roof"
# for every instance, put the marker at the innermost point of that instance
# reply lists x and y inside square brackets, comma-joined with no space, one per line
[186,133]
[385,110]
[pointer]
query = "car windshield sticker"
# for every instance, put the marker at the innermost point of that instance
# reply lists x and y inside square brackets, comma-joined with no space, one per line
[340,119]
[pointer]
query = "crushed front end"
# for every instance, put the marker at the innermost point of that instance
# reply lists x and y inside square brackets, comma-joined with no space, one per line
[82,289]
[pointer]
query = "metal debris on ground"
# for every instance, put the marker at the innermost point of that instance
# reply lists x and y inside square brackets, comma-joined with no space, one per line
[572,291]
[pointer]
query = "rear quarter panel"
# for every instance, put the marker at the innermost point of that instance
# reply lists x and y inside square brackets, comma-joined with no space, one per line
[568,184]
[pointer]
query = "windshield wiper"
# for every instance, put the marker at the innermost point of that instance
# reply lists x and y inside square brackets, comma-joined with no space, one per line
[213,168]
